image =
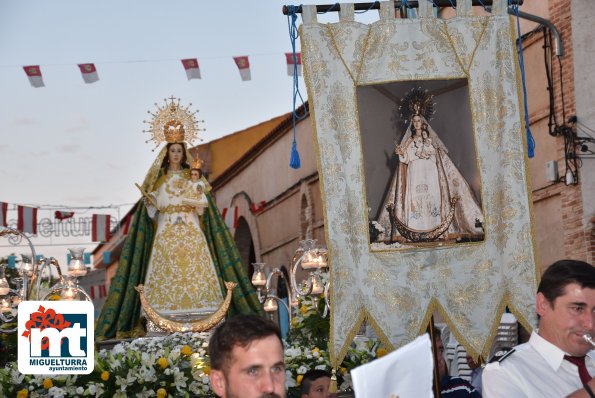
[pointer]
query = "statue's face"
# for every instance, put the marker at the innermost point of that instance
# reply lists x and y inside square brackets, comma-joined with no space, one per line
[416,122]
[175,154]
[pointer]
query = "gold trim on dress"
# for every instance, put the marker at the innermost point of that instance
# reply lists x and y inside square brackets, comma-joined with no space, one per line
[178,209]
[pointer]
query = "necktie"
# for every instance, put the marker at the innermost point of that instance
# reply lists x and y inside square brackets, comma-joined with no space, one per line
[582,368]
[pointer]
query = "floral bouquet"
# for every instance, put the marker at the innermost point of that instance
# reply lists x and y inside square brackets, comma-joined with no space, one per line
[178,365]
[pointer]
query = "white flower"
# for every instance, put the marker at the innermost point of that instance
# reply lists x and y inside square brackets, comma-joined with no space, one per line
[124,382]
[56,392]
[118,349]
[293,351]
[289,380]
[16,377]
[302,370]
[145,393]
[321,367]
[195,387]
[120,394]
[179,379]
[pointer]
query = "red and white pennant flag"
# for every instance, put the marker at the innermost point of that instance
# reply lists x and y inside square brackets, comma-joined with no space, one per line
[34,74]
[89,73]
[3,209]
[244,66]
[63,215]
[192,68]
[27,219]
[100,228]
[291,64]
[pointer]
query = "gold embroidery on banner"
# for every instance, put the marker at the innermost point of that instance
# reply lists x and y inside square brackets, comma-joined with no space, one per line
[397,62]
[502,212]
[456,39]
[425,57]
[360,48]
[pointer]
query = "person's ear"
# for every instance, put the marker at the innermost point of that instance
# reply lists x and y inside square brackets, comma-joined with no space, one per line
[217,382]
[542,304]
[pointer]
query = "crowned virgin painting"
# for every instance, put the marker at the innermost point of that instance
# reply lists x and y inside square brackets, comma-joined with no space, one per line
[422,177]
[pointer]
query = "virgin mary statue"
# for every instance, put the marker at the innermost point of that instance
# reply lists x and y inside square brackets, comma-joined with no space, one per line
[428,197]
[182,260]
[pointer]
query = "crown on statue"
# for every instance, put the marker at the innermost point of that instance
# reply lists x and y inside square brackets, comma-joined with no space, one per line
[197,163]
[173,123]
[417,102]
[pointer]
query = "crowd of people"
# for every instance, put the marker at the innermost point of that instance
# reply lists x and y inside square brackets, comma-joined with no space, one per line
[247,357]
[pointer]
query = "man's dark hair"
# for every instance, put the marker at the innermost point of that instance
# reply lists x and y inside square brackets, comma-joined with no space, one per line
[311,376]
[562,273]
[240,330]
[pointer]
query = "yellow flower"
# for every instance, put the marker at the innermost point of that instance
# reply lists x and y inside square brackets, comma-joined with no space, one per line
[23,393]
[161,393]
[303,309]
[105,375]
[294,322]
[299,379]
[206,370]
[54,297]
[315,349]
[186,350]
[381,352]
[47,383]
[162,362]
[343,371]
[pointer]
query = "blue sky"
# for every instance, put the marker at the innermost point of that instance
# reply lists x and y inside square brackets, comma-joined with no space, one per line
[73,144]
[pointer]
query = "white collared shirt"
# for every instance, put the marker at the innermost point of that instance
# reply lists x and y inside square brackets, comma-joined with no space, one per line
[536,369]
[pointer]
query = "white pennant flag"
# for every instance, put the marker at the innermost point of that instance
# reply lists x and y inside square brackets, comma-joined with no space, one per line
[291,64]
[89,73]
[101,228]
[244,66]
[192,68]
[27,220]
[3,211]
[34,74]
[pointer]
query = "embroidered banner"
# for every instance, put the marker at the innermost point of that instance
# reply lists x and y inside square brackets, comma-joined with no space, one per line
[423,170]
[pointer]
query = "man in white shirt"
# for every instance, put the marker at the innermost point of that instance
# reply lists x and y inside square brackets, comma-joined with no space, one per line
[545,366]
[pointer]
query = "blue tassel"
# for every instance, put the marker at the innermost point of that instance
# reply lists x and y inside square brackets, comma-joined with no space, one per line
[530,140]
[294,162]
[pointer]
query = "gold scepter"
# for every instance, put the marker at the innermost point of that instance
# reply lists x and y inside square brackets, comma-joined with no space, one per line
[146,195]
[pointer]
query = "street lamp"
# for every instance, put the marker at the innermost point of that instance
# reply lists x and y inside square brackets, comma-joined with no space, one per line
[266,294]
[310,258]
[29,281]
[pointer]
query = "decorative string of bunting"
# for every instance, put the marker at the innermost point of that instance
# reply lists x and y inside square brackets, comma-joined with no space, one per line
[191,67]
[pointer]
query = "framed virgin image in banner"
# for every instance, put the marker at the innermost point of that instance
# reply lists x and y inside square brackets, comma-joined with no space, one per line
[422,181]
